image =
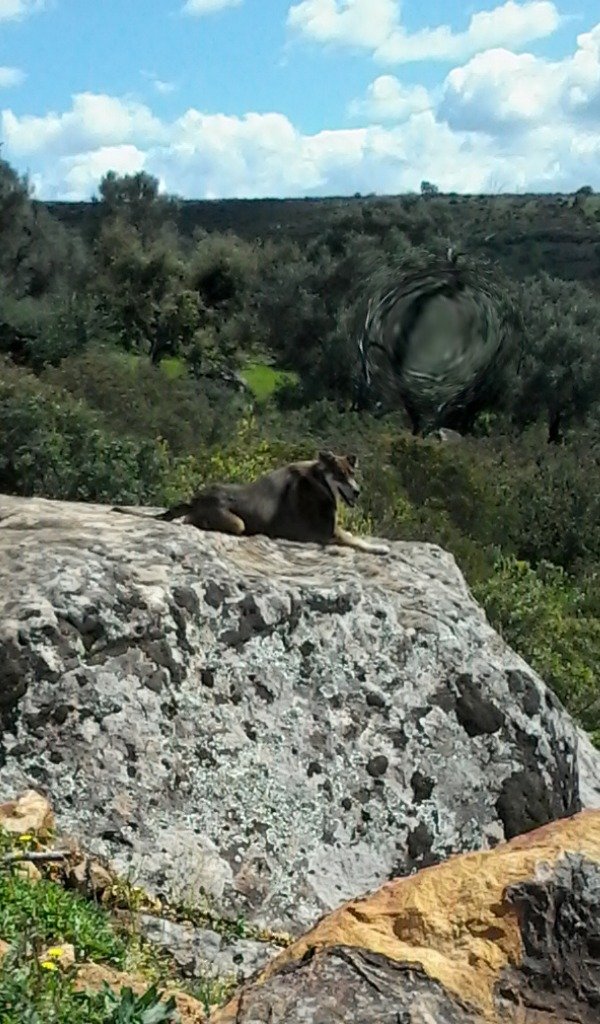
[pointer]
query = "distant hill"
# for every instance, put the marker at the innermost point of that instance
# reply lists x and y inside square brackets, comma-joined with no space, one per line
[526,233]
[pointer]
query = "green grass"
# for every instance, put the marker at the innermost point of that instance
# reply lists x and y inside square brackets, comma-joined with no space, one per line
[37,919]
[56,916]
[173,368]
[265,380]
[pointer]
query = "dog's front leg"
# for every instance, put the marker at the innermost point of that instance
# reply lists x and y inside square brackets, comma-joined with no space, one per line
[342,538]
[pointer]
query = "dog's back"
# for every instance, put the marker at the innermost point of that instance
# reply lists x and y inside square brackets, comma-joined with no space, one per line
[290,502]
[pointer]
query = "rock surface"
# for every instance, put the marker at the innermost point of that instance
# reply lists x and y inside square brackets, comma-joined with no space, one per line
[509,935]
[278,726]
[203,953]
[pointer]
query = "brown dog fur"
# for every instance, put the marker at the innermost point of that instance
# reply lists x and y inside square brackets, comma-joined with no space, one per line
[297,502]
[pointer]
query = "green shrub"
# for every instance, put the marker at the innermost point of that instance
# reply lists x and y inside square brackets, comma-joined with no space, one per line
[546,617]
[132,397]
[55,446]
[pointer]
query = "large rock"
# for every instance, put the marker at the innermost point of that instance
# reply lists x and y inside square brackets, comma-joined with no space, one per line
[278,726]
[510,935]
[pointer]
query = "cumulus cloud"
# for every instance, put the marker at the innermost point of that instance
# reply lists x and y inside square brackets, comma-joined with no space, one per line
[14,10]
[388,99]
[365,23]
[95,120]
[10,77]
[499,91]
[376,25]
[528,123]
[200,7]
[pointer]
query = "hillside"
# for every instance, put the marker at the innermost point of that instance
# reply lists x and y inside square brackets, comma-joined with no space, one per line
[559,232]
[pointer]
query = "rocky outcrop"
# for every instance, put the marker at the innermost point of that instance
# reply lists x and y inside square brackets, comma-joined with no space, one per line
[274,726]
[510,935]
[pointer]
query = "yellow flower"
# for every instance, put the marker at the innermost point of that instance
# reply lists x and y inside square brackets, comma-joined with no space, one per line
[25,838]
[48,965]
[55,952]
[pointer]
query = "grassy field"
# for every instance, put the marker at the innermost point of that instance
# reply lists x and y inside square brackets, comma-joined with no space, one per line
[265,380]
[173,367]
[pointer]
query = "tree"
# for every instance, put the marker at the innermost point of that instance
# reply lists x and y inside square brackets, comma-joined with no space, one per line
[37,255]
[137,199]
[428,189]
[560,374]
[141,287]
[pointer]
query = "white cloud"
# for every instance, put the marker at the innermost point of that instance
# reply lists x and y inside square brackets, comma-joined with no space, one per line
[502,117]
[164,88]
[500,91]
[200,7]
[95,120]
[161,85]
[10,77]
[14,10]
[376,25]
[365,23]
[388,99]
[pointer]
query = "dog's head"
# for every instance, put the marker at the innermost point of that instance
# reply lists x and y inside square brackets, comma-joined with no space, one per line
[339,471]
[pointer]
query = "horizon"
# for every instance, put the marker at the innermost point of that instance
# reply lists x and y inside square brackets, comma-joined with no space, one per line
[328,98]
[348,197]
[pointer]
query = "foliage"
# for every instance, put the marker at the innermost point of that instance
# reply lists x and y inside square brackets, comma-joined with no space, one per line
[32,994]
[543,615]
[54,916]
[136,198]
[131,397]
[37,255]
[560,375]
[56,446]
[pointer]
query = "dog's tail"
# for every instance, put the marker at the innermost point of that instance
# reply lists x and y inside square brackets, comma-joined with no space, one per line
[171,513]
[131,512]
[176,512]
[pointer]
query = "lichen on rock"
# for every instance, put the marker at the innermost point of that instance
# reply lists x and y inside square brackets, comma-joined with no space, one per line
[504,936]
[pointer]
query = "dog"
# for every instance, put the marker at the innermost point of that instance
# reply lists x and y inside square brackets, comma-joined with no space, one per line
[297,502]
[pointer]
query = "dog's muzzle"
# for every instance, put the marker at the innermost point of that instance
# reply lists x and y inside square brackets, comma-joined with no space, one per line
[350,494]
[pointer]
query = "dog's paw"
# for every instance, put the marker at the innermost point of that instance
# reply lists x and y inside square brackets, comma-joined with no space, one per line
[380,549]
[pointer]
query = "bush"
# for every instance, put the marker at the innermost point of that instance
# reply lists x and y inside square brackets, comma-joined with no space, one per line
[543,616]
[53,445]
[132,397]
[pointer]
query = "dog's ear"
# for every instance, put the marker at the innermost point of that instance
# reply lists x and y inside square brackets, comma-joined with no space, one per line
[352,460]
[327,457]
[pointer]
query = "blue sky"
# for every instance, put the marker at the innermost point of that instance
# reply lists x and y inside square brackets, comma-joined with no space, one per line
[272,97]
